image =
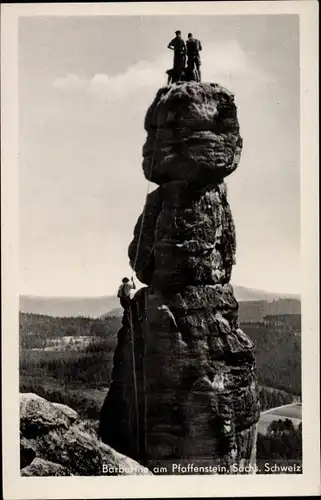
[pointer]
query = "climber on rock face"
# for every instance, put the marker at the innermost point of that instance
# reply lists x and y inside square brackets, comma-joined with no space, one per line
[179,48]
[193,48]
[124,292]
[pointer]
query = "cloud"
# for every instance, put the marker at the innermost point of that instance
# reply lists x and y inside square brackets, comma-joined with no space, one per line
[226,63]
[70,82]
[81,181]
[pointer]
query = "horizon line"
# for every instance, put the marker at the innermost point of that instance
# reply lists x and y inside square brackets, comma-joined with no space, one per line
[25,294]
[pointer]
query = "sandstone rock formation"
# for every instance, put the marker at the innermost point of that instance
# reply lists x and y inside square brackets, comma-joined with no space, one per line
[54,441]
[194,394]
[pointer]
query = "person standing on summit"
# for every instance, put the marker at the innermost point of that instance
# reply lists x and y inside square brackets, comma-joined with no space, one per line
[193,48]
[179,48]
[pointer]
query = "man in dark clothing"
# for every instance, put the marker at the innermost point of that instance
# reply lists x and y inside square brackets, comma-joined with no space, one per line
[124,293]
[179,48]
[193,48]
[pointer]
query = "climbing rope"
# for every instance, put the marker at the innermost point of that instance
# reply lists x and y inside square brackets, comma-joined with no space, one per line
[134,378]
[143,216]
[132,336]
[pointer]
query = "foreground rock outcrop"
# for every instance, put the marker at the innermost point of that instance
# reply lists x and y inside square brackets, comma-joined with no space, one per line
[54,441]
[190,389]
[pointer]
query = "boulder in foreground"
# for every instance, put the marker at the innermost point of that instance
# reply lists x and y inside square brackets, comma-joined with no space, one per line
[54,441]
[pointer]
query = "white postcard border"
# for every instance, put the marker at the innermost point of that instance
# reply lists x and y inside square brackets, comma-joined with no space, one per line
[16,487]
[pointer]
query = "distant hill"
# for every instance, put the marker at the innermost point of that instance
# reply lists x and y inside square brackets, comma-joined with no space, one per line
[256,310]
[90,307]
[254,304]
[244,294]
[118,312]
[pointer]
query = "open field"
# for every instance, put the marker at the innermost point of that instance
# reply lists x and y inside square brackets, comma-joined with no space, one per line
[292,411]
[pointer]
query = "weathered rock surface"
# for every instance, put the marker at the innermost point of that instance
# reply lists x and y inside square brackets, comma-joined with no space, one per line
[54,441]
[192,134]
[145,260]
[40,467]
[188,236]
[194,394]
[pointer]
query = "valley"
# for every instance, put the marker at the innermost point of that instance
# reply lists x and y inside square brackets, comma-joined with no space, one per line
[68,359]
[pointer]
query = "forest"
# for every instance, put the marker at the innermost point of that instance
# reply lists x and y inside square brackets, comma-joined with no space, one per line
[81,379]
[277,343]
[36,329]
[281,445]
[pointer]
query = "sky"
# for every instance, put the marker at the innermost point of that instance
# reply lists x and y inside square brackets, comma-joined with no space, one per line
[85,84]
